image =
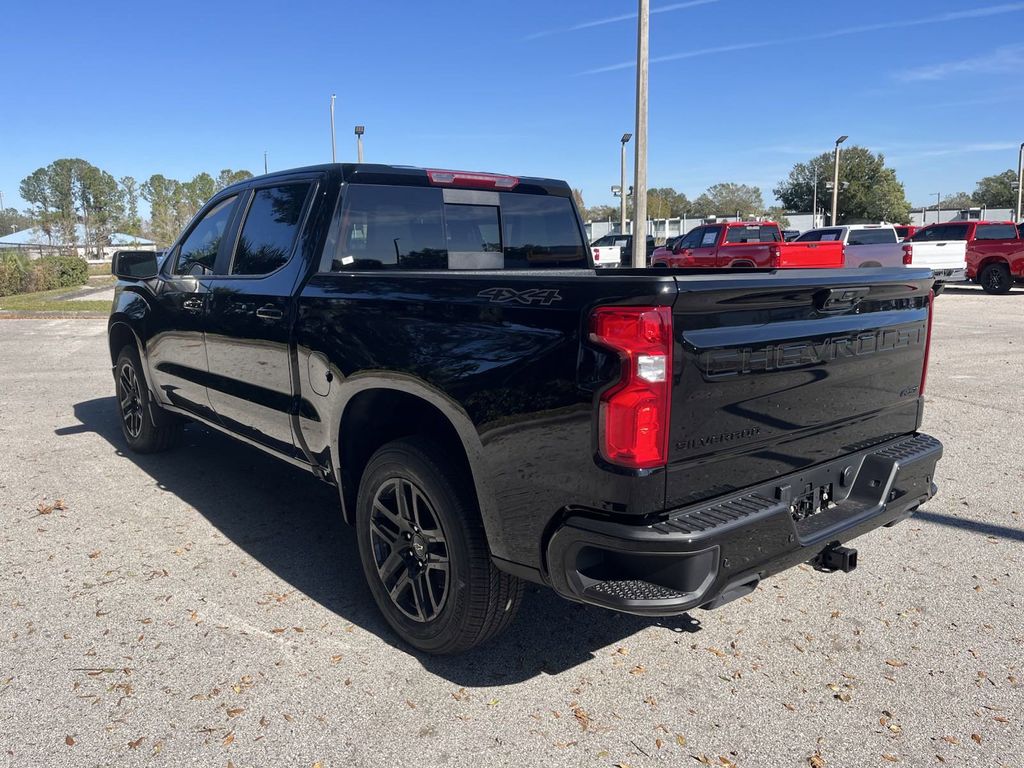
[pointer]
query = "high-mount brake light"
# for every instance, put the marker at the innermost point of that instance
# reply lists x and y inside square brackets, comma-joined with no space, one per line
[634,412]
[927,341]
[908,255]
[472,179]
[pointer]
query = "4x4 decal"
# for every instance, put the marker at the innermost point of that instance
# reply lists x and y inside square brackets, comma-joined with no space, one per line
[542,296]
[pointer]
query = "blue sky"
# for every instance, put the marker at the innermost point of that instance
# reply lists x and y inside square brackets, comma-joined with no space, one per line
[739,89]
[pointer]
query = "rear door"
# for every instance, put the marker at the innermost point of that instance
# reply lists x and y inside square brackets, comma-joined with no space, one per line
[176,349]
[249,318]
[995,240]
[778,374]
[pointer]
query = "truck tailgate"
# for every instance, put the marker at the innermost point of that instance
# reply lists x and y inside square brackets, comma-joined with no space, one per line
[942,254]
[817,255]
[776,375]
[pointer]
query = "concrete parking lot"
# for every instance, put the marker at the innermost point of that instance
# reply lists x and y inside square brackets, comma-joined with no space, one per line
[206,607]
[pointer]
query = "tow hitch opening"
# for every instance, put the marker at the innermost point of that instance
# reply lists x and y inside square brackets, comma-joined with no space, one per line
[836,558]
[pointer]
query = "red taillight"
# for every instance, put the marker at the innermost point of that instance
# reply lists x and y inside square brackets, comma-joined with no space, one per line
[927,341]
[774,256]
[472,179]
[908,255]
[634,412]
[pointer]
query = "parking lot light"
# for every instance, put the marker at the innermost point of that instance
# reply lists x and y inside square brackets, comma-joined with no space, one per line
[360,130]
[622,184]
[835,180]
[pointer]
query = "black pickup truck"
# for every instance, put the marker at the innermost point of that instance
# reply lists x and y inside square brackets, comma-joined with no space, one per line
[492,409]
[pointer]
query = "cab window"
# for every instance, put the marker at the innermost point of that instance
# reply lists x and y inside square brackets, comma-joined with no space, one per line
[198,252]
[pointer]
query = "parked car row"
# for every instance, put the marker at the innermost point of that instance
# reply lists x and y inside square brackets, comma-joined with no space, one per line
[991,253]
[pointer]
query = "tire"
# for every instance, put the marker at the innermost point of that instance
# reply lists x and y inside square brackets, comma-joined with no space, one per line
[415,505]
[995,279]
[134,406]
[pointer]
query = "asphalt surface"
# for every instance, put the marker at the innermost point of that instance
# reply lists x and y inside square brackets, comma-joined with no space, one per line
[205,607]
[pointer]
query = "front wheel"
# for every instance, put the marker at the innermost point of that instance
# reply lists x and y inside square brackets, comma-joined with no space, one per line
[995,278]
[424,552]
[134,406]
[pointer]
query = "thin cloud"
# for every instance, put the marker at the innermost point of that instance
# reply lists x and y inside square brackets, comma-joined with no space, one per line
[614,19]
[1007,59]
[961,149]
[992,10]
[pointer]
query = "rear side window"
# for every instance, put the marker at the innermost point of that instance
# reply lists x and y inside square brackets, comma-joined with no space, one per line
[753,234]
[540,231]
[871,236]
[946,232]
[395,227]
[271,225]
[198,253]
[816,236]
[995,232]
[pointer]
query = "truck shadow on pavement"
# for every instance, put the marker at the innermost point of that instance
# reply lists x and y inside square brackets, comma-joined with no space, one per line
[291,523]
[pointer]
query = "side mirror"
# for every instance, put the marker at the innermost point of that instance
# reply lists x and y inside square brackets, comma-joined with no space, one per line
[134,265]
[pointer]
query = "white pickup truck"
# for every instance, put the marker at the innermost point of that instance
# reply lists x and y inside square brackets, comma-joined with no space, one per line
[878,245]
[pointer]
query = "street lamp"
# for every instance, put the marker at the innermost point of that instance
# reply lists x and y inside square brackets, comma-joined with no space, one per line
[835,181]
[938,201]
[1020,177]
[622,185]
[360,130]
[334,149]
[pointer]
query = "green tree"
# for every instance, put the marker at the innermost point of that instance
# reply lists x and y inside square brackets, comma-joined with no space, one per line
[957,200]
[778,215]
[13,221]
[132,222]
[577,196]
[666,203]
[727,198]
[868,190]
[602,213]
[163,196]
[993,191]
[227,177]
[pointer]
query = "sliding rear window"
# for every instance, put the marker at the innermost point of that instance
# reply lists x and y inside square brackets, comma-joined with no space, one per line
[395,227]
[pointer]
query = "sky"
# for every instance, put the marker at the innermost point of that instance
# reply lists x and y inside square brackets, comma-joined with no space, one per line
[740,90]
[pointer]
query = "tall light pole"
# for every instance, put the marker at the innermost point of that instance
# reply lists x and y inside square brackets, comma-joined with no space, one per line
[814,201]
[622,184]
[835,182]
[640,159]
[938,199]
[360,130]
[2,209]
[265,161]
[334,149]
[1020,178]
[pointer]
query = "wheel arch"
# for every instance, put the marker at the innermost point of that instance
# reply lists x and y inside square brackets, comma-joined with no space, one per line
[379,409]
[120,334]
[990,260]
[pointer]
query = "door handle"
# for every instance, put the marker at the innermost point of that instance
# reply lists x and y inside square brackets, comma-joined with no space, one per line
[269,312]
[192,305]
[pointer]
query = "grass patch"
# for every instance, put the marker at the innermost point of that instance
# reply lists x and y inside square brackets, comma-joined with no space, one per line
[49,301]
[99,269]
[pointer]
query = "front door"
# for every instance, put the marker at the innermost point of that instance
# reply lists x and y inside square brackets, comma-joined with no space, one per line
[249,318]
[704,251]
[176,351]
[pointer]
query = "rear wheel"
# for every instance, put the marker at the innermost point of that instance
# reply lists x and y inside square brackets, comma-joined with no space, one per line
[995,278]
[134,405]
[424,552]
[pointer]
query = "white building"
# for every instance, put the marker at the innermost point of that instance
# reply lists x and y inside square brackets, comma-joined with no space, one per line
[35,242]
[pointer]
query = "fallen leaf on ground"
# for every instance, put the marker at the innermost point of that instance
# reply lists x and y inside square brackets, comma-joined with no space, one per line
[69,741]
[680,740]
[235,711]
[895,663]
[582,718]
[137,743]
[890,758]
[816,760]
[229,738]
[976,738]
[639,669]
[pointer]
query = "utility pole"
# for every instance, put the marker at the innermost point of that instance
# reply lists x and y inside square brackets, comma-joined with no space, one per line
[1020,178]
[622,184]
[640,159]
[334,151]
[835,182]
[2,209]
[814,201]
[360,130]
[938,199]
[265,161]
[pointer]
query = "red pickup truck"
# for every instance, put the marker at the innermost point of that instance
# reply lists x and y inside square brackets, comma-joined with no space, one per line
[747,244]
[995,250]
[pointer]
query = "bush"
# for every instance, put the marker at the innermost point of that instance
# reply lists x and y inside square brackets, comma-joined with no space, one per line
[13,268]
[18,274]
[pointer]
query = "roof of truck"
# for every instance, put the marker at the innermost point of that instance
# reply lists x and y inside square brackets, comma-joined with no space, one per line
[408,175]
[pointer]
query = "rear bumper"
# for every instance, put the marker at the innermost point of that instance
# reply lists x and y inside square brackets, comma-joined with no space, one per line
[713,552]
[950,275]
